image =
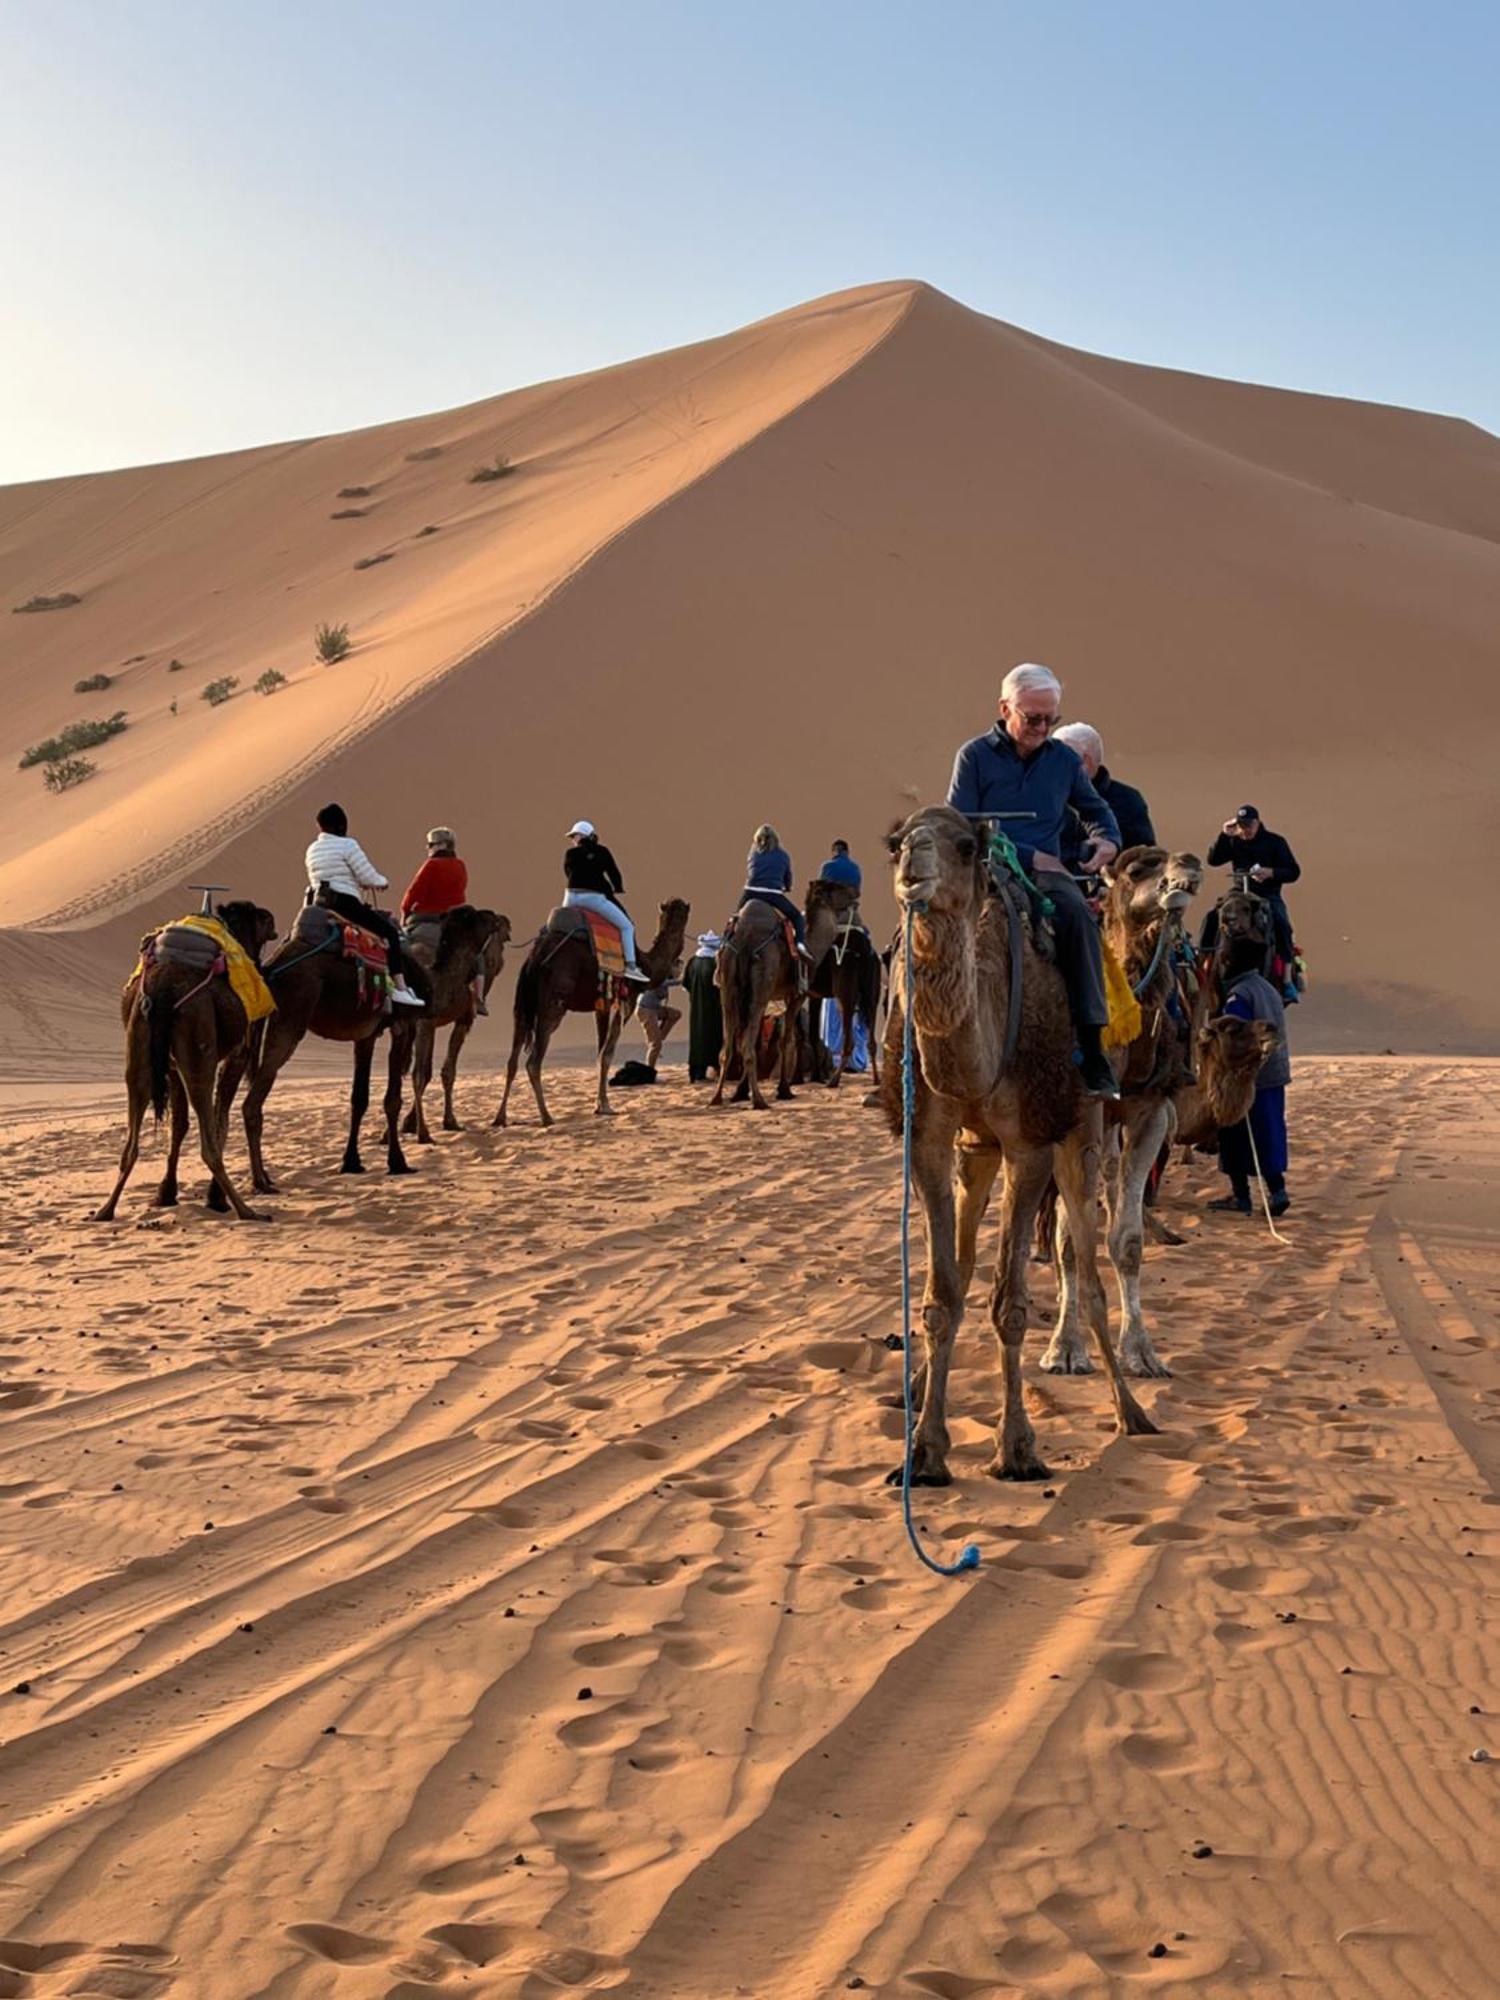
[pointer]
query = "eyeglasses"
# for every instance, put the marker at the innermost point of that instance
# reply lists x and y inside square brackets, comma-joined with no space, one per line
[1037,721]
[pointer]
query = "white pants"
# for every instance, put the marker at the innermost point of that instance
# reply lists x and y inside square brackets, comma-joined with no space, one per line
[590,899]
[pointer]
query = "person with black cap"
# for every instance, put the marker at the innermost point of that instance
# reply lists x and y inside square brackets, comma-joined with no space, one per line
[339,867]
[1248,846]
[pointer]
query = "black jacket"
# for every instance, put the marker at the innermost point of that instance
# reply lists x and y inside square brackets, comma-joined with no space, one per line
[591,866]
[1130,810]
[1269,849]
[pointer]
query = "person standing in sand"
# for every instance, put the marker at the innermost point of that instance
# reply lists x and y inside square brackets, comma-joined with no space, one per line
[339,866]
[1260,1137]
[1018,774]
[440,885]
[705,1010]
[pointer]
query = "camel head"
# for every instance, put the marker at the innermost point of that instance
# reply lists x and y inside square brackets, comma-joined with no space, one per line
[463,927]
[1145,882]
[1241,916]
[671,929]
[249,923]
[937,863]
[1230,1054]
[838,898]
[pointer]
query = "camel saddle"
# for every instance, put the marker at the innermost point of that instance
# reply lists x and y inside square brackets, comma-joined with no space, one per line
[320,929]
[178,944]
[565,922]
[420,935]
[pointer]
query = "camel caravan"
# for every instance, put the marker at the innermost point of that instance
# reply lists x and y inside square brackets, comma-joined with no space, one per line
[1063,1028]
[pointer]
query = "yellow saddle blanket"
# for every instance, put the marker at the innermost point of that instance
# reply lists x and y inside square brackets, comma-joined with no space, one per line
[245,977]
[1124,1009]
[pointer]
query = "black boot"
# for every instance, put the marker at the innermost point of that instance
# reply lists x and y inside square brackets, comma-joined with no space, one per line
[1098,1077]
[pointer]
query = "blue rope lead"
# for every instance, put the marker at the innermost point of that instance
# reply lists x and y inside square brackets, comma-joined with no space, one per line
[969,1557]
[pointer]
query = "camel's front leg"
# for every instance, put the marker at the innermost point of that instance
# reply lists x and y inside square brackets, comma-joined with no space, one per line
[397,1063]
[609,1021]
[1067,1351]
[1026,1177]
[942,1298]
[1127,1196]
[450,1074]
[1076,1164]
[977,1169]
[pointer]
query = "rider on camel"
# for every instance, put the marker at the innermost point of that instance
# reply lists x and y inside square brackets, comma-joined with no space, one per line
[1250,848]
[339,867]
[595,883]
[441,884]
[1018,774]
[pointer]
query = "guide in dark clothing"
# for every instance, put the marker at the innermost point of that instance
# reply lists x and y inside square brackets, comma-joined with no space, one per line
[1249,847]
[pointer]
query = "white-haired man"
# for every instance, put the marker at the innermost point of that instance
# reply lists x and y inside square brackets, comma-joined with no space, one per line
[1132,814]
[1019,775]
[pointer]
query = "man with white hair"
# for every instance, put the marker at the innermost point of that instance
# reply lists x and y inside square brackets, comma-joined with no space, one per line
[1129,807]
[1018,774]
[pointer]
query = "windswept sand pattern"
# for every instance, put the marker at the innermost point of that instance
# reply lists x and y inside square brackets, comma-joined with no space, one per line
[485,1583]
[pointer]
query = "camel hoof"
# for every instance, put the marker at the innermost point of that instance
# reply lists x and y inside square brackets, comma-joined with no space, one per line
[784,1093]
[355,1166]
[102,1215]
[1066,1361]
[399,1166]
[257,1215]
[452,1125]
[425,1139]
[1142,1363]
[1136,1423]
[1021,1465]
[922,1475]
[265,1185]
[165,1198]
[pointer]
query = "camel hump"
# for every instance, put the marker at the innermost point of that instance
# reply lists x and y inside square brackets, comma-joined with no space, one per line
[179,944]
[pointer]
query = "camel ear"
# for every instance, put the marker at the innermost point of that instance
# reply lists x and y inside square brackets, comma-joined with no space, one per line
[1266,1035]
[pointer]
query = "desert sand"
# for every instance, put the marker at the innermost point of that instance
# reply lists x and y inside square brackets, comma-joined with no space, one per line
[485,1583]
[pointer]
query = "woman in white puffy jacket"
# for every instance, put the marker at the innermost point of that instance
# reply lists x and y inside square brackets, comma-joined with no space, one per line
[339,866]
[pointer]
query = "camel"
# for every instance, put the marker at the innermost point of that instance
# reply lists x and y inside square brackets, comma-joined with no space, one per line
[179,1027]
[757,973]
[319,991]
[1147,892]
[451,954]
[981,1106]
[850,973]
[1228,1055]
[561,976]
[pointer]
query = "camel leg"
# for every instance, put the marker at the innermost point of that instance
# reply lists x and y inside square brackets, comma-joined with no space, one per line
[517,1044]
[1126,1235]
[1067,1351]
[166,1194]
[271,1054]
[421,1076]
[608,1022]
[450,1073]
[1075,1164]
[359,1099]
[1021,1191]
[137,1097]
[791,1048]
[398,1060]
[977,1169]
[200,1089]
[942,1298]
[534,1060]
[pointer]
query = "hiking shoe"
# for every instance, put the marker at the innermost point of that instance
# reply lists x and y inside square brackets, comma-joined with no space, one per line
[634,972]
[1098,1077]
[403,997]
[1230,1204]
[1280,1203]
[482,1007]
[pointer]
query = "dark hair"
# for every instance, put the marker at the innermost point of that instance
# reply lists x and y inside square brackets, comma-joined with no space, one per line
[1244,954]
[841,847]
[333,819]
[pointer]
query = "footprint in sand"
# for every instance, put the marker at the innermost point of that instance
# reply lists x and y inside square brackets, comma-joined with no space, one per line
[1153,1673]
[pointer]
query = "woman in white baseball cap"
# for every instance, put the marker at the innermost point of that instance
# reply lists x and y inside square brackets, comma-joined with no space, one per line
[595,883]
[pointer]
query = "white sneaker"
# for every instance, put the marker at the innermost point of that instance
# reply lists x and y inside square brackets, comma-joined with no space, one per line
[404,997]
[641,978]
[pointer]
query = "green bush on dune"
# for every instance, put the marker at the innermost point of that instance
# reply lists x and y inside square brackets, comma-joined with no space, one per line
[77,736]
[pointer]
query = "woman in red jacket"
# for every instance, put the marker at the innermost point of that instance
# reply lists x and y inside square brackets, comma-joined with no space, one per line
[440,885]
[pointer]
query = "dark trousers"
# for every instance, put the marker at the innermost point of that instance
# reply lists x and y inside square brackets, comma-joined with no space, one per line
[779,902]
[1281,929]
[385,928]
[1267,1121]
[1079,956]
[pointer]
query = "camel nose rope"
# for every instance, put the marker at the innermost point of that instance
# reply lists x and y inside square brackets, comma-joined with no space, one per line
[969,1556]
[1260,1182]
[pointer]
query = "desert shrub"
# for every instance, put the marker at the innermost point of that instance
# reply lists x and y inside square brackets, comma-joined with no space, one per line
[499,467]
[269,681]
[349,514]
[177,666]
[354,492]
[369,562]
[427,451]
[59,603]
[63,772]
[92,684]
[331,642]
[220,690]
[77,736]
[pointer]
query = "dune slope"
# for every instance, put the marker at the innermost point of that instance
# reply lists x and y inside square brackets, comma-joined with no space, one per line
[795,561]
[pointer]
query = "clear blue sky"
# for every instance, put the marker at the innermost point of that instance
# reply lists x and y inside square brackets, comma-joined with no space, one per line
[227,224]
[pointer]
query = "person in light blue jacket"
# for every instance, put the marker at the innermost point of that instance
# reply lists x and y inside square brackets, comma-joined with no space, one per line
[769,878]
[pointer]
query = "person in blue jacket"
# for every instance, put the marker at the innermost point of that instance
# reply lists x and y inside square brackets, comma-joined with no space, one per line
[768,879]
[841,866]
[1018,774]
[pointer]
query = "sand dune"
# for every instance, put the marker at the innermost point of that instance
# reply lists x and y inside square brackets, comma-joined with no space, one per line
[777,575]
[436,1594]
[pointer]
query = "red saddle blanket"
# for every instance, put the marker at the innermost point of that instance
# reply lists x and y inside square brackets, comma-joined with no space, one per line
[362,946]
